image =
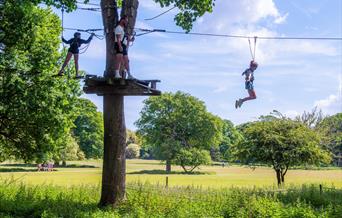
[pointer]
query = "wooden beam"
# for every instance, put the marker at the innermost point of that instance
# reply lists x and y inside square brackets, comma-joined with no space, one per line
[106,86]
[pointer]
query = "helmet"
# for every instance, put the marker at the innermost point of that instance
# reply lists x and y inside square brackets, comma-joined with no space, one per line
[253,64]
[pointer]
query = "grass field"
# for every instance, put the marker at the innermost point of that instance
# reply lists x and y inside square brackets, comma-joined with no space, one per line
[147,171]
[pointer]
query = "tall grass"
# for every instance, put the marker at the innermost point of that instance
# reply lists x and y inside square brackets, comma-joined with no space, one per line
[144,200]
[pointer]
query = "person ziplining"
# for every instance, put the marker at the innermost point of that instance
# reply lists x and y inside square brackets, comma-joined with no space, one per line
[249,78]
[75,43]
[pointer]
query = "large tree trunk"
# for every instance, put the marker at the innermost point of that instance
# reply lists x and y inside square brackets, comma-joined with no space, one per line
[130,8]
[113,174]
[278,173]
[109,18]
[114,161]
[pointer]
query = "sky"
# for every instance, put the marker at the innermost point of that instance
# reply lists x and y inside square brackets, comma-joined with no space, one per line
[293,75]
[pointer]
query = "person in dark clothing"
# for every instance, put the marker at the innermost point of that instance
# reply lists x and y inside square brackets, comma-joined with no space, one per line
[75,44]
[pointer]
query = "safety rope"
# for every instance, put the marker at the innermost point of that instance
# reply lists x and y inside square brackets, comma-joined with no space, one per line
[63,25]
[254,47]
[152,18]
[89,31]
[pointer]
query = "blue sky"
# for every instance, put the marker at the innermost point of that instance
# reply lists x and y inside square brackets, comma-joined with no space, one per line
[293,75]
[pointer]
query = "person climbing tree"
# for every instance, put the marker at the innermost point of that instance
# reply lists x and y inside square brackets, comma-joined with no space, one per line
[121,48]
[249,78]
[73,50]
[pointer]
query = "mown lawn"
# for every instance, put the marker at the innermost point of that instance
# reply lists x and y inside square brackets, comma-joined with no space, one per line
[147,171]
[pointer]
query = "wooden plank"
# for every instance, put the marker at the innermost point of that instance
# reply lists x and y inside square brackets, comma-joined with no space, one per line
[128,91]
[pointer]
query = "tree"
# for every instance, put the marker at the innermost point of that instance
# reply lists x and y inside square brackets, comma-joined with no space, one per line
[331,127]
[231,136]
[88,129]
[133,138]
[132,151]
[35,109]
[280,143]
[70,151]
[113,176]
[176,122]
[311,119]
[190,159]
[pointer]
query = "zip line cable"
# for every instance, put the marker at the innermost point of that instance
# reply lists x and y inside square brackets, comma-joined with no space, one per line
[89,9]
[148,31]
[236,36]
[89,31]
[152,18]
[89,3]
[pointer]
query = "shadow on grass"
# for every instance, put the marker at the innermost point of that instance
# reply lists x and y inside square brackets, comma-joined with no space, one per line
[76,166]
[11,170]
[148,163]
[55,166]
[19,165]
[163,172]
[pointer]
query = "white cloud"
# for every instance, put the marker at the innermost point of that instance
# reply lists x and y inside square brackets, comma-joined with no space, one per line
[149,5]
[227,15]
[291,113]
[330,105]
[281,19]
[96,50]
[140,56]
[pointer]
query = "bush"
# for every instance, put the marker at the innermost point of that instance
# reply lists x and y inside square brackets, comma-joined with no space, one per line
[132,151]
[190,159]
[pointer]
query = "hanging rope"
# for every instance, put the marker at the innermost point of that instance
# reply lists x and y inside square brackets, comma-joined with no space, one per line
[84,49]
[250,47]
[63,25]
[152,18]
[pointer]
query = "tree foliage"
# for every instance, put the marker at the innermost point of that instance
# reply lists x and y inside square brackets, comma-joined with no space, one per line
[280,143]
[132,151]
[331,127]
[88,129]
[190,159]
[173,122]
[189,11]
[35,109]
[231,136]
[311,119]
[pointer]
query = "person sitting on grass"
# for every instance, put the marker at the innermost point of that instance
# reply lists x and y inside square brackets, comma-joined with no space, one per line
[75,44]
[249,79]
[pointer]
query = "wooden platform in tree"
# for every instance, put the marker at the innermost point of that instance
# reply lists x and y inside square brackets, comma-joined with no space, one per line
[109,86]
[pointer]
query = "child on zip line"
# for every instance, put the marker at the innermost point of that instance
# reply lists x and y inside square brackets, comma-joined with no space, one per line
[249,79]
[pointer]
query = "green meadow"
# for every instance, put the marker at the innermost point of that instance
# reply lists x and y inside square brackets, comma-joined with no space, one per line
[152,172]
[213,191]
